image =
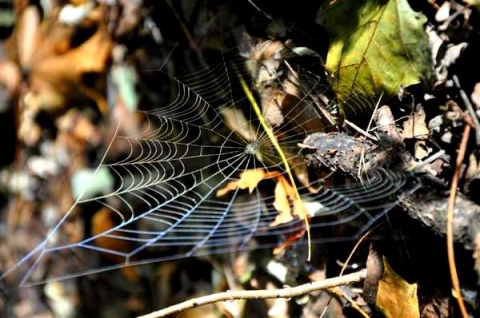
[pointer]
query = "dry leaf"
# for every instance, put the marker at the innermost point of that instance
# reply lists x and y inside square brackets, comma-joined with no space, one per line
[75,123]
[286,202]
[396,298]
[248,179]
[386,124]
[27,35]
[415,126]
[103,221]
[271,102]
[55,69]
[10,76]
[282,204]
[421,150]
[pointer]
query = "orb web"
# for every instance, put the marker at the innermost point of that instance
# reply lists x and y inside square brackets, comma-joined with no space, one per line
[164,204]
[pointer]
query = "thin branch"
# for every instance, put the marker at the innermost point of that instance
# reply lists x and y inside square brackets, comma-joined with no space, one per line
[349,258]
[469,107]
[260,10]
[451,207]
[340,294]
[287,292]
[360,130]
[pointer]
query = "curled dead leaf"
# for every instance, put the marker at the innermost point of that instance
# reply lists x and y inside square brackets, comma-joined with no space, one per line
[249,179]
[272,100]
[288,204]
[415,126]
[396,297]
[54,70]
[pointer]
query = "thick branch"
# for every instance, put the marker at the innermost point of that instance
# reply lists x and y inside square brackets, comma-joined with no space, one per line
[287,292]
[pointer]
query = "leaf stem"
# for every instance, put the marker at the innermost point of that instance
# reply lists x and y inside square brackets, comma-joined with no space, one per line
[275,143]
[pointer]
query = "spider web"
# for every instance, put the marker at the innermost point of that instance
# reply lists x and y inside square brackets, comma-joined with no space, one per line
[164,205]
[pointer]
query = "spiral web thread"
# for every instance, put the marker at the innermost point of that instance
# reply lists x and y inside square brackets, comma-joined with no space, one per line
[165,204]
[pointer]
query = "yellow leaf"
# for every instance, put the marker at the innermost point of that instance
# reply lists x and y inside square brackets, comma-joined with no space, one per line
[281,203]
[396,298]
[248,179]
[287,202]
[272,138]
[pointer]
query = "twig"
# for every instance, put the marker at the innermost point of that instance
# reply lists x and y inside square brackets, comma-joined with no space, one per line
[191,40]
[417,166]
[360,130]
[340,294]
[451,207]
[469,106]
[287,292]
[349,258]
[260,10]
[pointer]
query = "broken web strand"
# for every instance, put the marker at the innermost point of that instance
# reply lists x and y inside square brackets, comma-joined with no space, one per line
[160,145]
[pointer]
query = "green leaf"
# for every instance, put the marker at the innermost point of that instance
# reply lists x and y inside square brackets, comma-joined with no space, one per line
[377,46]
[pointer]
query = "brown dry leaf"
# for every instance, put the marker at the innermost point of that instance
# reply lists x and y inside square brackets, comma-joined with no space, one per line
[281,203]
[103,221]
[55,69]
[69,68]
[27,35]
[271,102]
[266,50]
[396,298]
[10,76]
[91,56]
[415,126]
[75,123]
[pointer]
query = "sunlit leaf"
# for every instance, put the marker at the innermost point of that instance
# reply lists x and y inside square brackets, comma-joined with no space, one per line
[396,297]
[287,202]
[248,180]
[376,47]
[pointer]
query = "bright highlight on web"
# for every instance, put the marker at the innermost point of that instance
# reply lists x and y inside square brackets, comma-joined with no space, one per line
[182,187]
